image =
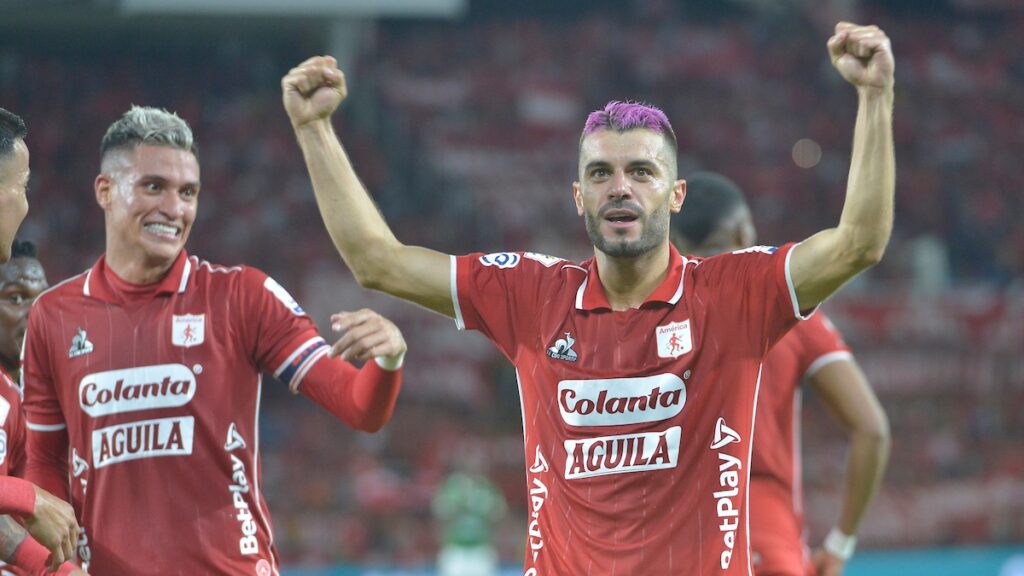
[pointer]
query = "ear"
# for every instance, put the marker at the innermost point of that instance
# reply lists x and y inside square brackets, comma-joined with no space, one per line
[678,195]
[103,186]
[577,196]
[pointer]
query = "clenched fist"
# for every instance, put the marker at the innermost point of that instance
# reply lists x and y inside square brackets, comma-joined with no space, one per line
[313,90]
[862,55]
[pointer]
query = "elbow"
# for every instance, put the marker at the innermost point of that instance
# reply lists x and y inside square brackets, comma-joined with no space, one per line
[371,425]
[875,432]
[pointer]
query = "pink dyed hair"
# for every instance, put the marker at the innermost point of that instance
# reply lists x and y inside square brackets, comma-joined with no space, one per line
[623,116]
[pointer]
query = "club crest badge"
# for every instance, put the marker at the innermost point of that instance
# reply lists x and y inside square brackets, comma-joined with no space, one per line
[674,339]
[188,330]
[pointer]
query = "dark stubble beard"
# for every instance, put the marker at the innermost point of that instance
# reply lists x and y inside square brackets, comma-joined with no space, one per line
[655,230]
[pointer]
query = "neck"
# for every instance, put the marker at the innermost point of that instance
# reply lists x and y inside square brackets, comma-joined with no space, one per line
[137,270]
[627,282]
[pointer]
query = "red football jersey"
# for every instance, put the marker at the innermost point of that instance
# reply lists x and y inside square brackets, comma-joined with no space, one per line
[12,440]
[12,428]
[637,423]
[776,494]
[160,397]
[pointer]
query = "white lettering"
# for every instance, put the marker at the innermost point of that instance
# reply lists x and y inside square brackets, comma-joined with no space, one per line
[621,454]
[618,401]
[142,439]
[131,389]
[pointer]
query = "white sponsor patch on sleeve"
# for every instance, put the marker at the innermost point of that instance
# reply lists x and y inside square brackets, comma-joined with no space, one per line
[281,294]
[547,261]
[501,259]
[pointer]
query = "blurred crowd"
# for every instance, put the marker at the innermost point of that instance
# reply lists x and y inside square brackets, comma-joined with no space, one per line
[466,133]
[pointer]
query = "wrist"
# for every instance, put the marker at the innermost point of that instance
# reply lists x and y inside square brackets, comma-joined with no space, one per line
[840,544]
[390,363]
[869,93]
[319,128]
[17,497]
[30,555]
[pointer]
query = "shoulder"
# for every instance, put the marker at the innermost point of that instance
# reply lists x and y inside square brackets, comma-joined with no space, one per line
[526,263]
[72,286]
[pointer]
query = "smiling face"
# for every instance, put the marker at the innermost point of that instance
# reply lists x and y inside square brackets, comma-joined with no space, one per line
[150,195]
[13,202]
[21,280]
[627,190]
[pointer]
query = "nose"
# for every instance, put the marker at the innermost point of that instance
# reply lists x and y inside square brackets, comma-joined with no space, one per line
[620,186]
[172,205]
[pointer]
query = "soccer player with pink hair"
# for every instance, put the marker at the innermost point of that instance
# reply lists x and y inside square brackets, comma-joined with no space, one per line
[639,368]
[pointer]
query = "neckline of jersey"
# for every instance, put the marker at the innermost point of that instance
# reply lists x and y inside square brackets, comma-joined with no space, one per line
[593,297]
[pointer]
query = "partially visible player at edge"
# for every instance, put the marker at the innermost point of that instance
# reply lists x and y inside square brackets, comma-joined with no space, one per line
[50,520]
[638,369]
[717,219]
[146,369]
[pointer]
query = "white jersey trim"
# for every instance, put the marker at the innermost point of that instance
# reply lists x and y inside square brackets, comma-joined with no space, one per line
[299,350]
[257,496]
[792,289]
[825,360]
[45,427]
[580,291]
[459,322]
[679,291]
[750,458]
[306,366]
[185,273]
[85,287]
[798,488]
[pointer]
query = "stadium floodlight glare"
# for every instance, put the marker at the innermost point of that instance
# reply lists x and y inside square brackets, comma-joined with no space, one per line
[304,8]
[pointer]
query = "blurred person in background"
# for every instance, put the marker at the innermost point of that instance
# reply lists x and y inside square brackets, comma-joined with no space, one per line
[48,519]
[467,506]
[638,369]
[147,370]
[716,220]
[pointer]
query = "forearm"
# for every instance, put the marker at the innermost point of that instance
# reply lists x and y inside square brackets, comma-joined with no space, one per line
[865,466]
[363,399]
[47,464]
[824,262]
[866,222]
[11,536]
[358,230]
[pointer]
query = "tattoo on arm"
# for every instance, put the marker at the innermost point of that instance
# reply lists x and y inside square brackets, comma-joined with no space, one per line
[11,536]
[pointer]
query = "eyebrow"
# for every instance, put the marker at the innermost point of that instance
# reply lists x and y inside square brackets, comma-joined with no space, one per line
[162,180]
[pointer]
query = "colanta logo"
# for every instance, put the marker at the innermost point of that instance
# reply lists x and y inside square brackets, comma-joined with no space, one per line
[131,389]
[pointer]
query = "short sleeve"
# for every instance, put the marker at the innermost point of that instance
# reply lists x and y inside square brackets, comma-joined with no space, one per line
[820,344]
[498,294]
[282,338]
[749,295]
[42,407]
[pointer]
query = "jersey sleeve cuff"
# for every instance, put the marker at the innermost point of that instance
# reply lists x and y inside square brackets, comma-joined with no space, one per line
[801,314]
[390,363]
[826,359]
[295,367]
[460,323]
[44,427]
[17,497]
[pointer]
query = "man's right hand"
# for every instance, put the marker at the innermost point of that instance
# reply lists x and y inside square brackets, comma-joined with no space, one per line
[54,526]
[313,90]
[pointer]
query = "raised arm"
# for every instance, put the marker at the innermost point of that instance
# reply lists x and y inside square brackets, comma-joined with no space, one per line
[311,93]
[845,391]
[825,261]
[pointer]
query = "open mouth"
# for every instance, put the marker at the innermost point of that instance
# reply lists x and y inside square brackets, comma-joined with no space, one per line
[165,231]
[621,217]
